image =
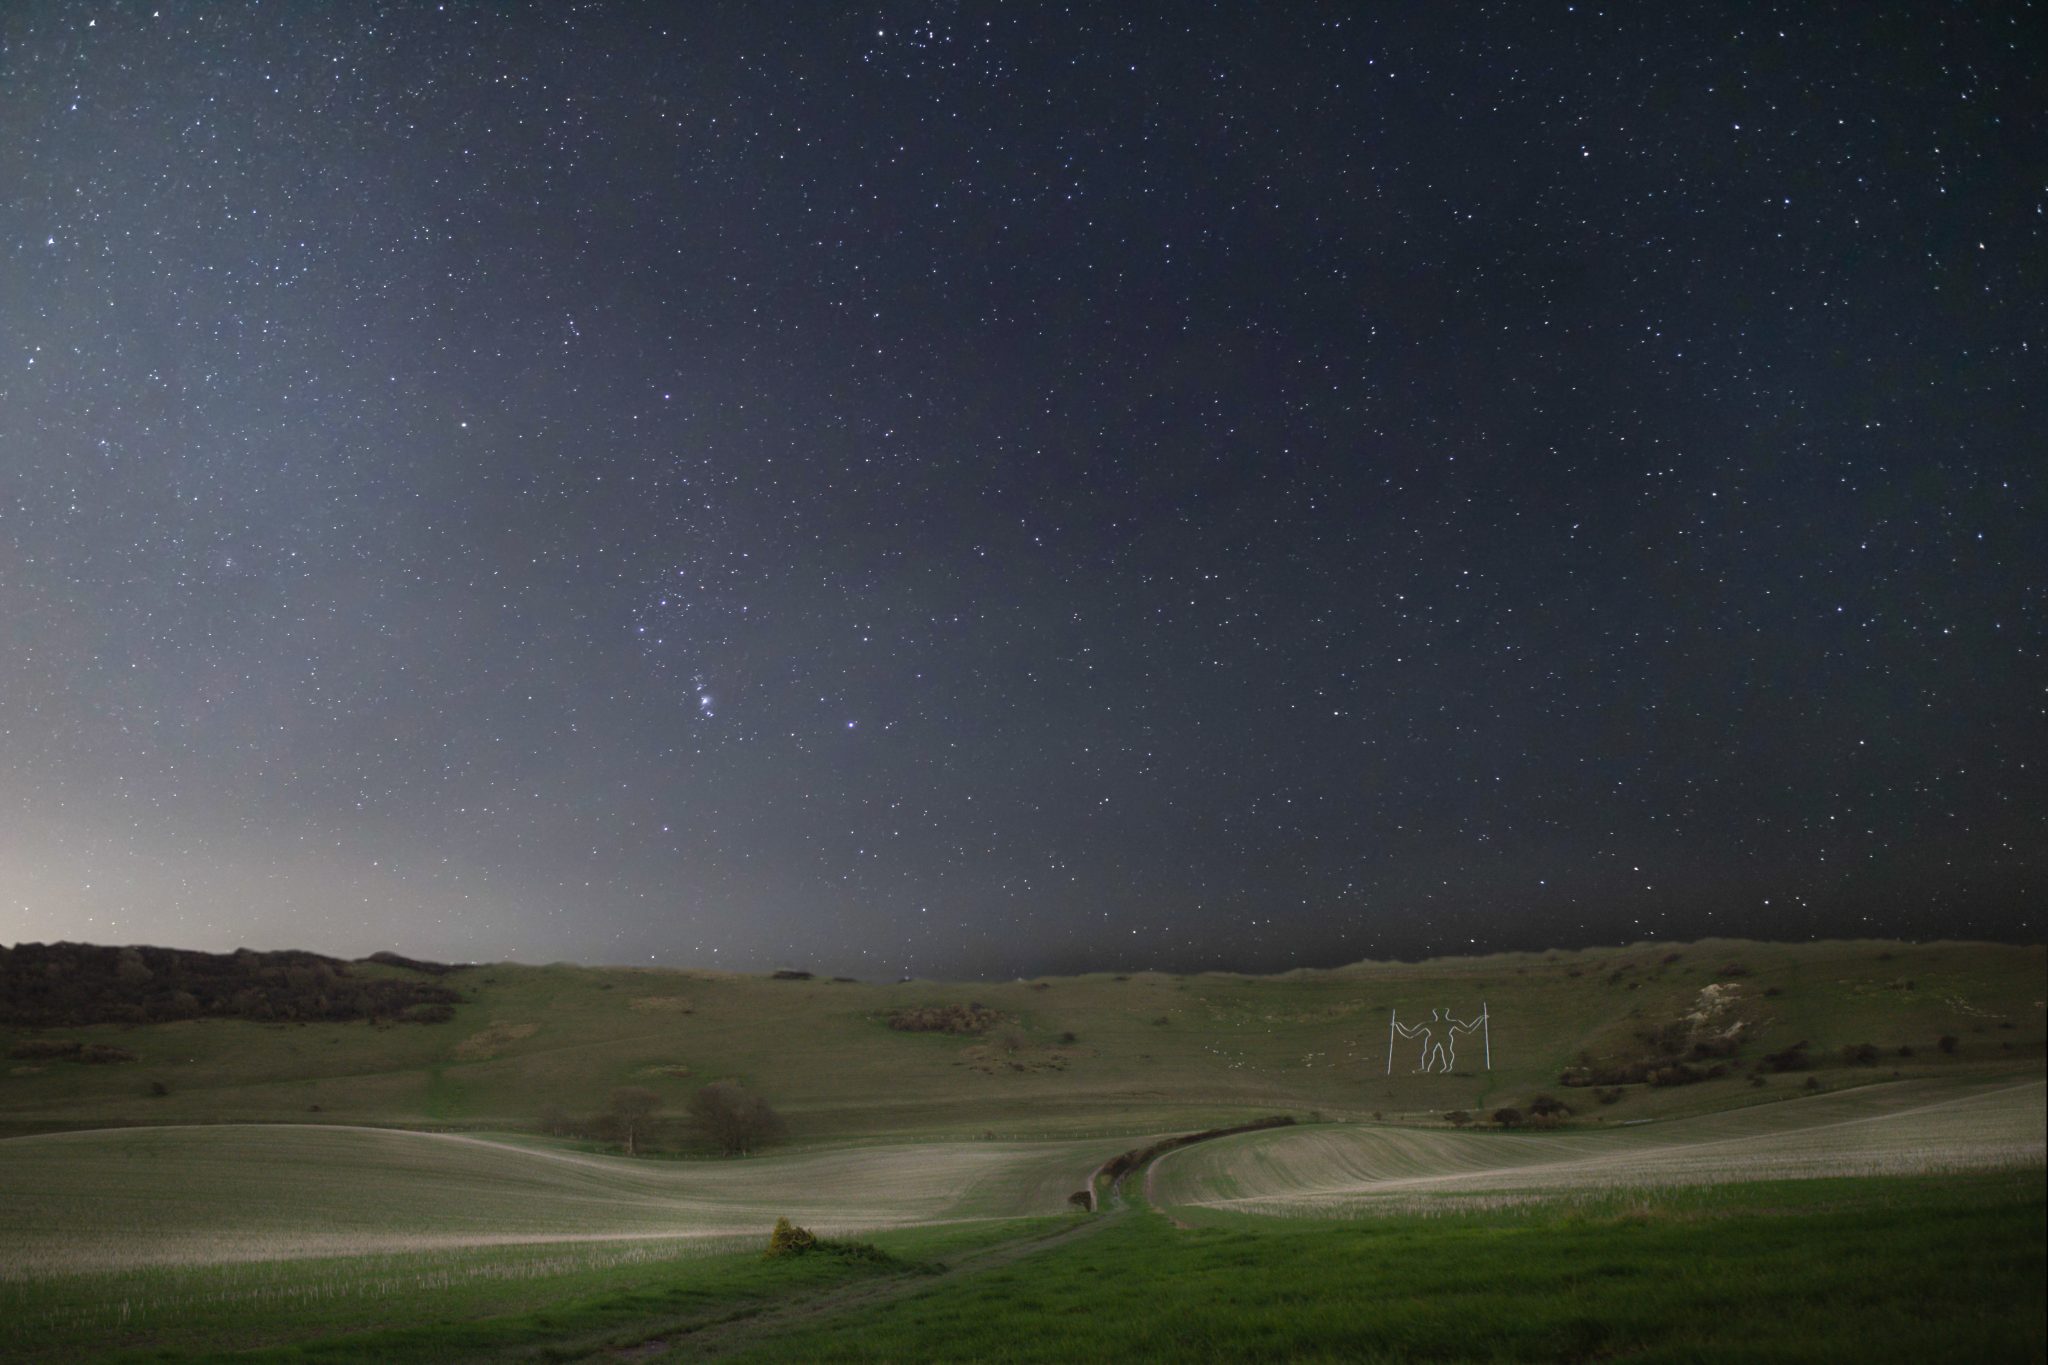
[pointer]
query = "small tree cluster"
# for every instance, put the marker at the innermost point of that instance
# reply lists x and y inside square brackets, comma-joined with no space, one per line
[627,1117]
[733,1120]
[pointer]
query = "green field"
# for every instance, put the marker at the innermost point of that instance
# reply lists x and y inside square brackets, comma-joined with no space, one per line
[384,1192]
[1900,1269]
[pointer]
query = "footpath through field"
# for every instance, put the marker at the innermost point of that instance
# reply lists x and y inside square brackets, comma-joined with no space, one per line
[752,1328]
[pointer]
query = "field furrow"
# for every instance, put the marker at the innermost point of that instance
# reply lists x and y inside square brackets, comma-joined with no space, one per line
[116,1198]
[1906,1128]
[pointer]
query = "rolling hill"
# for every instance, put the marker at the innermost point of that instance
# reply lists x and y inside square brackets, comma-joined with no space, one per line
[1072,1056]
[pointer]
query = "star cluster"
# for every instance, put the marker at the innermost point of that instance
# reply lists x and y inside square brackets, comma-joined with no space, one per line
[980,488]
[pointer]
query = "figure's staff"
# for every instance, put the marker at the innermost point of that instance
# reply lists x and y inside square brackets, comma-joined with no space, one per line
[1486,1032]
[1391,1017]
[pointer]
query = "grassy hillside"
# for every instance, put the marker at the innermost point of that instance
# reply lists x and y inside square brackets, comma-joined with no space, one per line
[414,1246]
[1148,1053]
[76,1202]
[1911,1127]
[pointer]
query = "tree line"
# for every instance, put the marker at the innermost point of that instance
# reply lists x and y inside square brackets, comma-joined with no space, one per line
[723,1114]
[65,985]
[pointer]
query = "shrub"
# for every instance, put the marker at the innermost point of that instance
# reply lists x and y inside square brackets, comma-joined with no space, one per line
[1459,1118]
[1859,1054]
[1683,1073]
[1813,1082]
[44,1049]
[1508,1118]
[1793,1058]
[1068,1039]
[790,1240]
[961,1019]
[1080,1199]
[104,1053]
[733,1120]
[1549,1106]
[790,974]
[1948,1043]
[1723,1046]
[629,1114]
[1733,970]
[157,1090]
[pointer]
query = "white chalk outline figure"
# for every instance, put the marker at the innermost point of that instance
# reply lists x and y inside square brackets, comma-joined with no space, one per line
[1408,1031]
[1439,1056]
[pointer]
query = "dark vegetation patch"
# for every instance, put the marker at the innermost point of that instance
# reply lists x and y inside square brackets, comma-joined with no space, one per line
[790,1240]
[967,1019]
[44,1049]
[68,1050]
[61,985]
[790,974]
[1793,1058]
[1014,1052]
[413,964]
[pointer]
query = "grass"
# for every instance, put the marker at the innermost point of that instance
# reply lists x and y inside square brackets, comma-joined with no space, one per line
[477,1303]
[1232,1046]
[121,1199]
[1906,1268]
[1891,1128]
[274,1200]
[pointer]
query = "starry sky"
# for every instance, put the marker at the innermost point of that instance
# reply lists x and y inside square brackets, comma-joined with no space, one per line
[973,489]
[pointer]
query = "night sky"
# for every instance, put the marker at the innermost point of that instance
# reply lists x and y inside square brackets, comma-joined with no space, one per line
[973,489]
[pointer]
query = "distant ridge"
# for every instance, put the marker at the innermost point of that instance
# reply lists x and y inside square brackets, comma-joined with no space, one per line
[50,985]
